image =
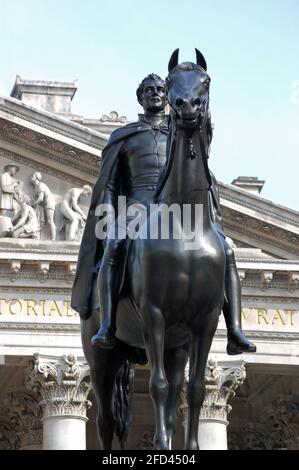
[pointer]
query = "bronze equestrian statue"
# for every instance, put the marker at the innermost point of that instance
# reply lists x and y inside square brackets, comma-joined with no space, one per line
[171,296]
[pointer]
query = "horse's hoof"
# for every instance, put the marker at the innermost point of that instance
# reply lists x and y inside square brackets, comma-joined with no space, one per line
[162,443]
[104,342]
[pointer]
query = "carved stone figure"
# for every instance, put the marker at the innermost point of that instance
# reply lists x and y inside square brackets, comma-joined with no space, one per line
[45,199]
[26,223]
[9,187]
[72,211]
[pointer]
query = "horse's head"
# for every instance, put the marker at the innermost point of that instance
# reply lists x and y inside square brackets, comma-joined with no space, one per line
[188,91]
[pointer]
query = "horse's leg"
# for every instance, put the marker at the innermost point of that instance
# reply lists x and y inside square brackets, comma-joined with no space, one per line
[175,362]
[104,365]
[154,333]
[103,386]
[202,337]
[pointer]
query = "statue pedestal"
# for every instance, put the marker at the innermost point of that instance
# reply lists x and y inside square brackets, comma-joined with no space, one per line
[5,225]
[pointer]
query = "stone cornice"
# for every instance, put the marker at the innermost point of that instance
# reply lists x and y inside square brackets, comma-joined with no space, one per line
[259,205]
[259,222]
[44,327]
[263,335]
[42,121]
[258,233]
[59,158]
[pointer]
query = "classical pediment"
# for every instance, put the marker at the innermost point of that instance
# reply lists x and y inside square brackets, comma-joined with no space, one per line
[47,142]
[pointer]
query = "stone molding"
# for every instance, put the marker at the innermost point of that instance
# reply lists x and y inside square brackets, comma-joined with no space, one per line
[44,327]
[51,122]
[43,168]
[257,204]
[67,156]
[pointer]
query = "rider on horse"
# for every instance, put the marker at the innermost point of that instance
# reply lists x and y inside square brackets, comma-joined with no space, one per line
[131,165]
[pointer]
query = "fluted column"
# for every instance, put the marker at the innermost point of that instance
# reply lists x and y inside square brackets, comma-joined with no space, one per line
[64,386]
[221,383]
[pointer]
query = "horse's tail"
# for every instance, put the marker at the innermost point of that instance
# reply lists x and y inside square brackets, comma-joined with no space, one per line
[123,394]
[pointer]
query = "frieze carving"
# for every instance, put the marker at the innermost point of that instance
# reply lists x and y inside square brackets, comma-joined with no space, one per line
[253,436]
[74,217]
[146,442]
[8,436]
[24,413]
[278,429]
[282,417]
[64,386]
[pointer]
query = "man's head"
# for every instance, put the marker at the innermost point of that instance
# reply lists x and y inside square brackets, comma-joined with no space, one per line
[11,169]
[22,198]
[35,177]
[87,190]
[151,94]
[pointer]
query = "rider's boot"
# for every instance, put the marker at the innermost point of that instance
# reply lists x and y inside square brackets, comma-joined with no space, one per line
[237,341]
[109,280]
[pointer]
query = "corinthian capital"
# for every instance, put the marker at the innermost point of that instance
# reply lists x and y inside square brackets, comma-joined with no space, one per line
[221,383]
[64,385]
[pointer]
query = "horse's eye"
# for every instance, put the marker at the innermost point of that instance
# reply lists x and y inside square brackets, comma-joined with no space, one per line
[179,102]
[197,101]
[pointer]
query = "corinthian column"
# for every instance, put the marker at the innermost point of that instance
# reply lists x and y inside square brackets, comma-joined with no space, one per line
[221,383]
[64,387]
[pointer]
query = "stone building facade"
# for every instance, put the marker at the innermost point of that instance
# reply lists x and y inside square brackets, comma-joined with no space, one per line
[46,399]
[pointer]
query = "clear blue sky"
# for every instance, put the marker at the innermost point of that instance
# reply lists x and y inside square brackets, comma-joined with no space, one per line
[252,51]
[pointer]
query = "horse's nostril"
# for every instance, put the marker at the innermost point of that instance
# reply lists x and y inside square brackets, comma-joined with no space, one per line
[197,101]
[179,102]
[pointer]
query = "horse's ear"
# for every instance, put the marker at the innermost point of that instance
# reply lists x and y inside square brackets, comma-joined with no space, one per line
[173,62]
[200,60]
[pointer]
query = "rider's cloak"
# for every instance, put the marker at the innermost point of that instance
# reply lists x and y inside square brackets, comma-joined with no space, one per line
[91,249]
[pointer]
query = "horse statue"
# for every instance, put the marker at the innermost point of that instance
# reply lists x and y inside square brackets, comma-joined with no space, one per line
[173,291]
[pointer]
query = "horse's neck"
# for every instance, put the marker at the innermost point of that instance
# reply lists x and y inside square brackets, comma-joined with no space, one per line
[187,181]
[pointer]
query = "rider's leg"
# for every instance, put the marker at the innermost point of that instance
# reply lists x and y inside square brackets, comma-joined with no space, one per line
[237,341]
[108,285]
